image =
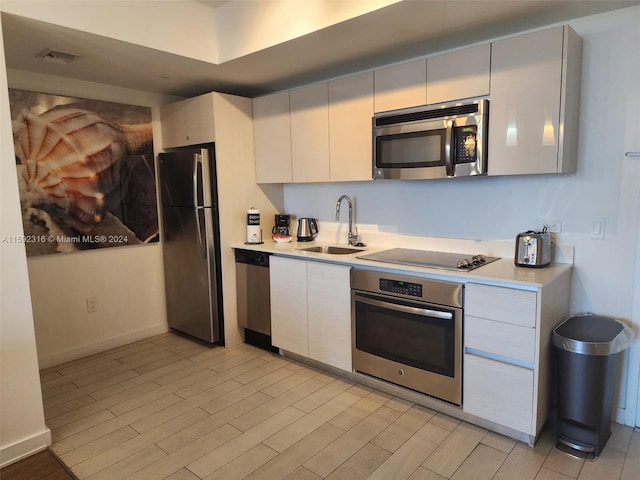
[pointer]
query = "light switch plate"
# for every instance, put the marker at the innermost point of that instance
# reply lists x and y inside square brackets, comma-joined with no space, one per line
[92,305]
[598,227]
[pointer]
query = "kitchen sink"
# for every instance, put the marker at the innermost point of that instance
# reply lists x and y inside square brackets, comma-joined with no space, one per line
[331,250]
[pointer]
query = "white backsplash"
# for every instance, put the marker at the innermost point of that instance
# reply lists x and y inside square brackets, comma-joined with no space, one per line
[335,233]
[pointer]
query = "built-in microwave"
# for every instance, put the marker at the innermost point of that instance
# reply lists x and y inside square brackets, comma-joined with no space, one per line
[431,141]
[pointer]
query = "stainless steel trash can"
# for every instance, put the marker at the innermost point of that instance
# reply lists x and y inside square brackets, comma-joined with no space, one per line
[587,349]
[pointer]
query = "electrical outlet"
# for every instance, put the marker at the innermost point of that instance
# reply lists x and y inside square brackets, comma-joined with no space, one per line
[553,226]
[92,305]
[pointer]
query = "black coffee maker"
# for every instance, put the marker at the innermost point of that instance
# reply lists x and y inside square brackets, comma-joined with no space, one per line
[282,224]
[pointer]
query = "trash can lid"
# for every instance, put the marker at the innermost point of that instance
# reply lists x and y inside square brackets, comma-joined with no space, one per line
[590,334]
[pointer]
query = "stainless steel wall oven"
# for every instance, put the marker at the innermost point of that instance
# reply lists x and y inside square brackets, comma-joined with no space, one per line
[408,331]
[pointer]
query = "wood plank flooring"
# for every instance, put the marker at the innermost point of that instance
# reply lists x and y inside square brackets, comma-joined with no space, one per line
[170,408]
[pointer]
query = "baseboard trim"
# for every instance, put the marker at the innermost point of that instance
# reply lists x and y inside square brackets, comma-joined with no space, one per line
[59,358]
[17,451]
[619,416]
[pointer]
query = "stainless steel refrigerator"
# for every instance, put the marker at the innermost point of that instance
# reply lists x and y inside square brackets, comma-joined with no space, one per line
[191,246]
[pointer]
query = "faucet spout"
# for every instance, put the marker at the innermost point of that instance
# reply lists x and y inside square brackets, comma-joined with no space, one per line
[352,236]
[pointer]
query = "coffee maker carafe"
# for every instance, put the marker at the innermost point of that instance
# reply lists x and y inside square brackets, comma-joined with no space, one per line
[282,224]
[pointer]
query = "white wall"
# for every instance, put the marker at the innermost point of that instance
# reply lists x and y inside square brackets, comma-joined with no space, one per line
[22,428]
[606,184]
[247,27]
[126,281]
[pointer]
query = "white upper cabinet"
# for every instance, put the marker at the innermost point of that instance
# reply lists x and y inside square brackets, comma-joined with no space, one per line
[322,132]
[350,114]
[310,133]
[460,74]
[272,134]
[400,86]
[443,78]
[188,122]
[535,97]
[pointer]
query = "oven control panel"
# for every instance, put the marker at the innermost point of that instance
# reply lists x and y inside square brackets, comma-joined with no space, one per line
[404,288]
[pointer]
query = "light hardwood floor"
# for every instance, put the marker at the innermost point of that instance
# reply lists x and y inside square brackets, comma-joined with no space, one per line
[169,408]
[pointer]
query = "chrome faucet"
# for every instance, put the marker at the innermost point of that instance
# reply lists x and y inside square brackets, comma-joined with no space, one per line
[352,235]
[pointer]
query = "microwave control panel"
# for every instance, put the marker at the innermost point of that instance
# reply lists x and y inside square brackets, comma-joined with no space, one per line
[466,144]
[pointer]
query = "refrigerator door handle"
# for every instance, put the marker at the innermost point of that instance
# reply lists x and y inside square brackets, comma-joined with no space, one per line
[202,250]
[197,172]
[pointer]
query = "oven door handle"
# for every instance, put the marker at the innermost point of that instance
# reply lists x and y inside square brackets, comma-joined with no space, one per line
[425,312]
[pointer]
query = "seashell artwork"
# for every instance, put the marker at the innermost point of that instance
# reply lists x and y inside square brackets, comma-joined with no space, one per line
[72,162]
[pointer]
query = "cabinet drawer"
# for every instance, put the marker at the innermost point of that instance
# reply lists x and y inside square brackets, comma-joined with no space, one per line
[498,392]
[503,339]
[507,305]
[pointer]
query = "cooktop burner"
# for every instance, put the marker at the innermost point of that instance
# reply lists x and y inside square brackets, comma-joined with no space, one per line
[426,258]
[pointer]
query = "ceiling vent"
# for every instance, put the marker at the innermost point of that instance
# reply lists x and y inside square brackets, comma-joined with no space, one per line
[57,57]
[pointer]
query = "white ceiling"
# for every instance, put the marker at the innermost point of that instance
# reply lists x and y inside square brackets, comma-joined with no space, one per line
[401,31]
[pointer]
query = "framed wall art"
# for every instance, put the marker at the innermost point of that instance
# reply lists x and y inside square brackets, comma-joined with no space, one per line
[86,173]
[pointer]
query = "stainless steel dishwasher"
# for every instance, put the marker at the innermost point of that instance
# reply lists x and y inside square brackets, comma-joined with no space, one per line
[254,303]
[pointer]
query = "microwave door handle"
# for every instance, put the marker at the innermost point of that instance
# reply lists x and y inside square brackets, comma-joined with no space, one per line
[424,312]
[449,166]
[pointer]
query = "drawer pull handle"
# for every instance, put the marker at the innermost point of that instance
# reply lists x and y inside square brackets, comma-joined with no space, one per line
[498,358]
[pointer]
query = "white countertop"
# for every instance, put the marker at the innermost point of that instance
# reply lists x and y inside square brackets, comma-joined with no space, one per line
[501,272]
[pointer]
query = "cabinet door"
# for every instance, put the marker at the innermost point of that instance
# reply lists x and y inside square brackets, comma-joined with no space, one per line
[310,133]
[498,392]
[272,134]
[329,312]
[289,329]
[526,79]
[401,86]
[350,114]
[188,122]
[458,75]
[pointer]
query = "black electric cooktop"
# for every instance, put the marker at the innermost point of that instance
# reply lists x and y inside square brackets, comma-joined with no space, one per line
[426,258]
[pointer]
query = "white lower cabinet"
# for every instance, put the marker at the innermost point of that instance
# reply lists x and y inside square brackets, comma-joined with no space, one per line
[311,310]
[329,314]
[499,392]
[507,350]
[289,326]
[507,337]
[500,355]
